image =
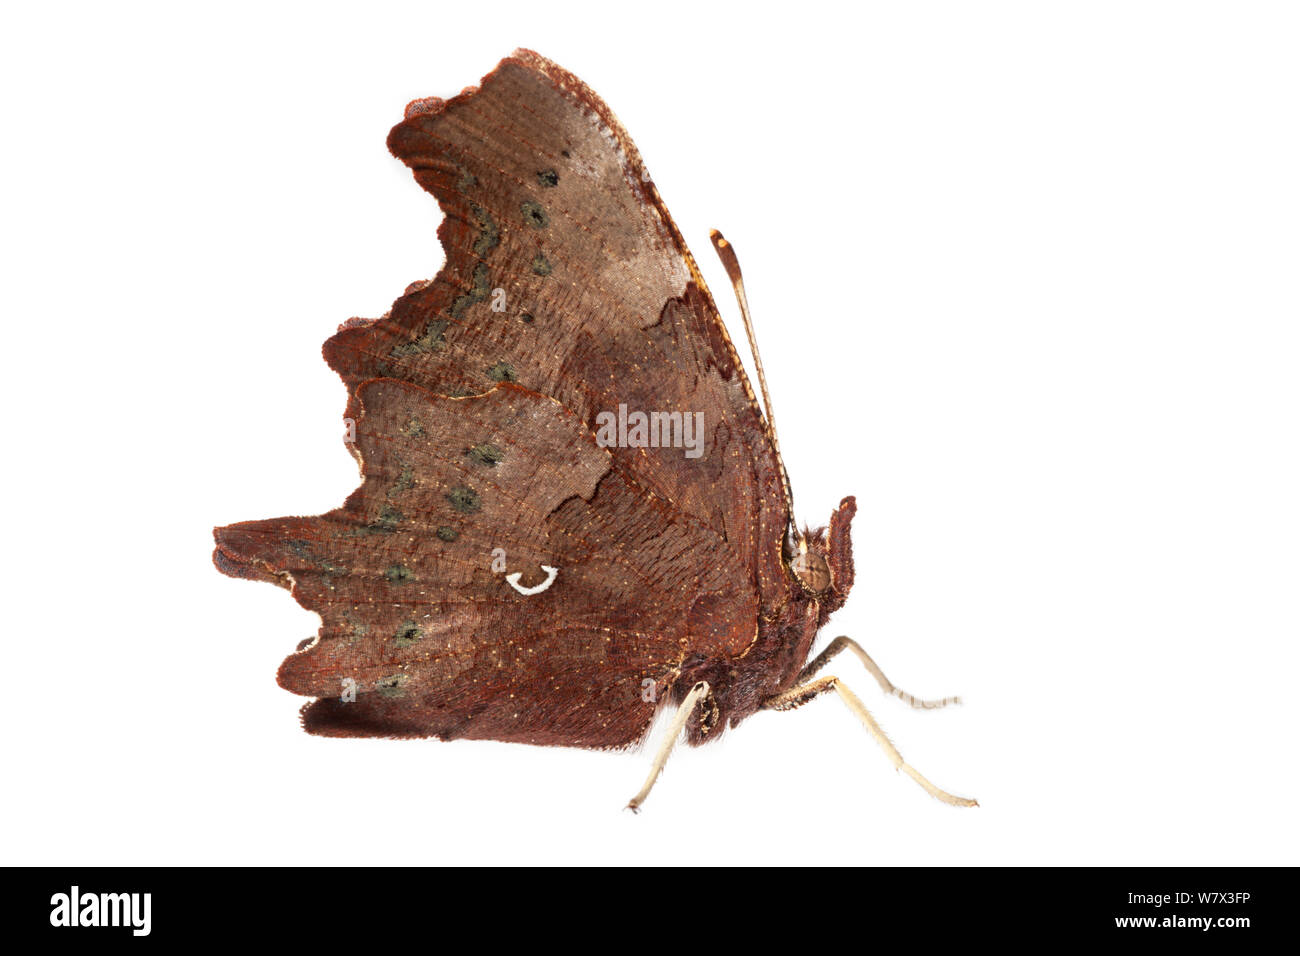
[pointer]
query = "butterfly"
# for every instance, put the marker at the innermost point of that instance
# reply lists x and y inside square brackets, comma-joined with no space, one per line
[573,510]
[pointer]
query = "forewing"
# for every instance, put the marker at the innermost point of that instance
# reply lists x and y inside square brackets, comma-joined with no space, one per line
[565,273]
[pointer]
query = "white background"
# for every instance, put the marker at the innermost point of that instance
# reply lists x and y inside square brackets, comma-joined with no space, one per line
[1025,275]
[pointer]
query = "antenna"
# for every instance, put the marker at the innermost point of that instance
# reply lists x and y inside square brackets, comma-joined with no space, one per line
[729,262]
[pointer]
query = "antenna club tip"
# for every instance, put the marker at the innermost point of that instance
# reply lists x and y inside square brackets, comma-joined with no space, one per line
[727,253]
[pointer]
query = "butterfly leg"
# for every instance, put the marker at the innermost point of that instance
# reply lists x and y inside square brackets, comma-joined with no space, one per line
[698,694]
[839,644]
[799,695]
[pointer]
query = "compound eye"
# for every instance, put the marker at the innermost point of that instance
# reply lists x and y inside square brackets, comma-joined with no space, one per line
[812,571]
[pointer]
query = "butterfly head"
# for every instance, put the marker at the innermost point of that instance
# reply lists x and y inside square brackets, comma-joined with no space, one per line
[822,559]
[809,564]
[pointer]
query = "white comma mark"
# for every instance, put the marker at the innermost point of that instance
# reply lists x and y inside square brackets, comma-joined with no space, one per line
[551,572]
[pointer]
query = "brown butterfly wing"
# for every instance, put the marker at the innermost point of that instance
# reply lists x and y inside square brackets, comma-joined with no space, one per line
[475,432]
[546,199]
[435,641]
